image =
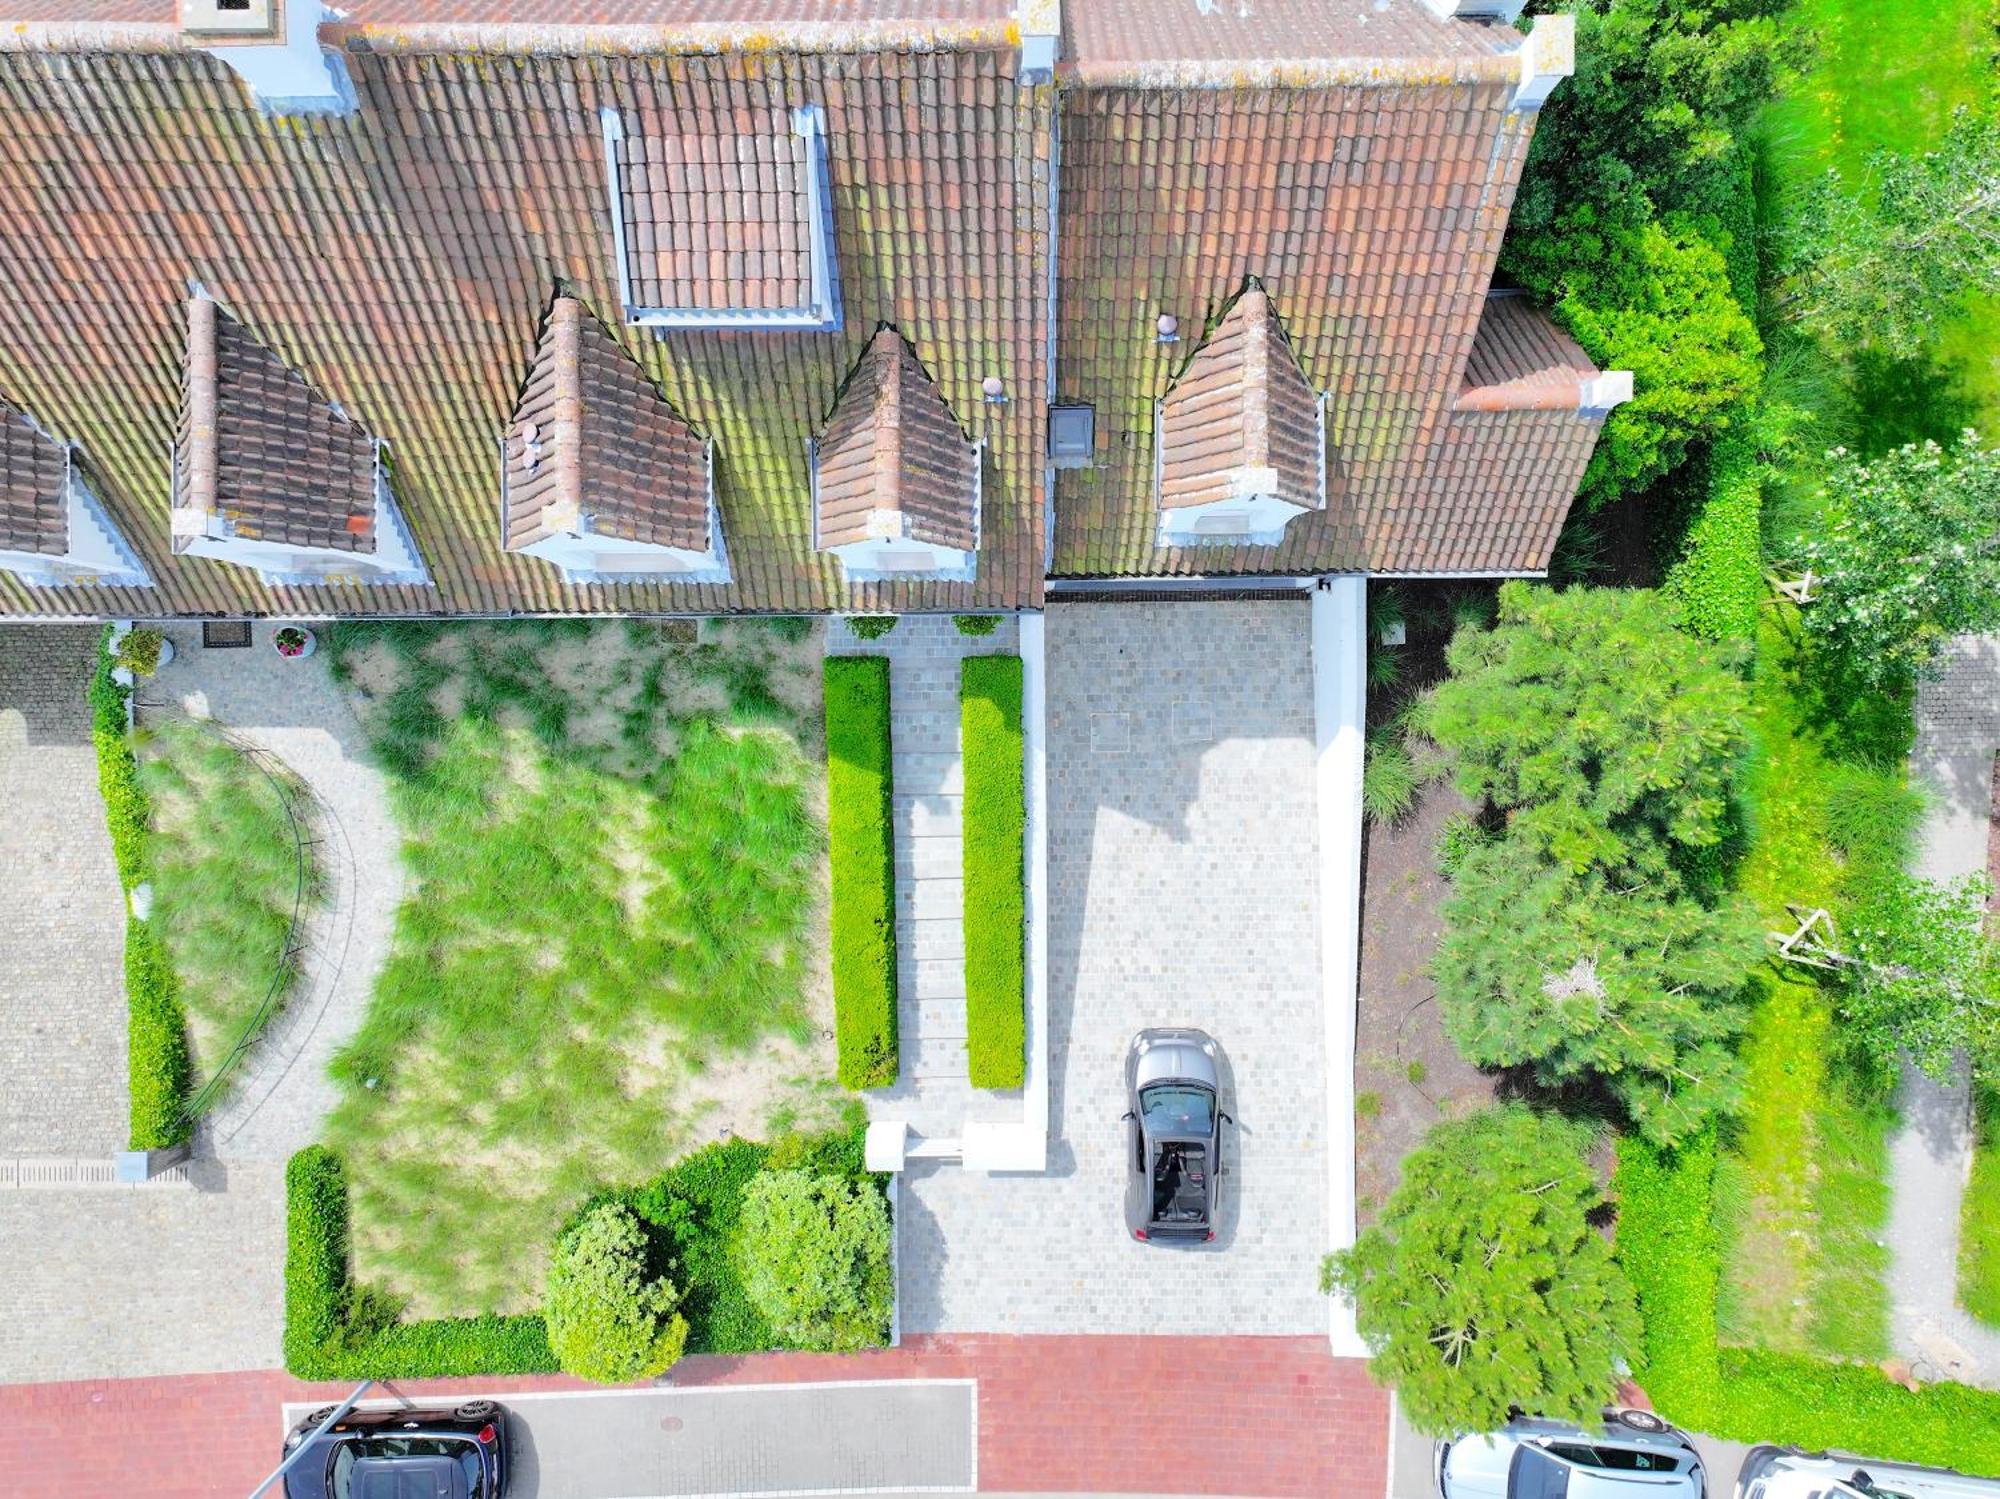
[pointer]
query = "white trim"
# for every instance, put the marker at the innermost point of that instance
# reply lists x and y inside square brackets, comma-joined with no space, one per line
[1395,1420]
[1339,658]
[896,1264]
[1170,582]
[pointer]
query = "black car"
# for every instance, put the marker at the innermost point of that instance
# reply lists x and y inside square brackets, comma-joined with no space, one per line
[1173,1136]
[407,1452]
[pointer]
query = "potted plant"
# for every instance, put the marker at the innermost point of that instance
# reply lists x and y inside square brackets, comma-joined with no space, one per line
[294,642]
[143,652]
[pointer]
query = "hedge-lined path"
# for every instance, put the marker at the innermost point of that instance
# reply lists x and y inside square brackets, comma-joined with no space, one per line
[1268,1416]
[1958,731]
[62,941]
[932,1092]
[293,710]
[129,1281]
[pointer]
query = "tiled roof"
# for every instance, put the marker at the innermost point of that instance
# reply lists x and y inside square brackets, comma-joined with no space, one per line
[1164,42]
[1241,403]
[1494,493]
[842,14]
[1521,361]
[1372,213]
[34,487]
[892,445]
[715,206]
[400,259]
[261,448]
[593,436]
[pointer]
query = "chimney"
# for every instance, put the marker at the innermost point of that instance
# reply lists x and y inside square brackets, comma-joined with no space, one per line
[1547,57]
[273,46]
[1040,25]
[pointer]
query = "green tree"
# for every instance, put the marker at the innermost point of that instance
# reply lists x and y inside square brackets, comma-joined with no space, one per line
[815,1258]
[1614,975]
[1927,978]
[1483,1286]
[1598,727]
[1880,261]
[607,1321]
[1909,556]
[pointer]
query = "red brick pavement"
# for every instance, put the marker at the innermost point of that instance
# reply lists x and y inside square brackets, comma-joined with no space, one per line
[1251,1416]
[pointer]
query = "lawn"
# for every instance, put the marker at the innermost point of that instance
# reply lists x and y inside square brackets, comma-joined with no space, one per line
[609,950]
[231,874]
[1979,1234]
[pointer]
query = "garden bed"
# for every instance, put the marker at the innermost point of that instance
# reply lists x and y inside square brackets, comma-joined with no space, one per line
[995,819]
[608,949]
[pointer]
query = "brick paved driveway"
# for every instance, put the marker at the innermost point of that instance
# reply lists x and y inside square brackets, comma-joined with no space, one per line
[1271,1416]
[1183,891]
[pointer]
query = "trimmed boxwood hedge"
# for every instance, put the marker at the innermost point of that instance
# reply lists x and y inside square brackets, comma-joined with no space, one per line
[1669,1248]
[861,852]
[159,1071]
[1720,576]
[335,1330]
[989,699]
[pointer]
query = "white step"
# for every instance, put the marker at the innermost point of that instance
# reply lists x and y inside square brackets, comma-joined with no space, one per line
[930,900]
[928,941]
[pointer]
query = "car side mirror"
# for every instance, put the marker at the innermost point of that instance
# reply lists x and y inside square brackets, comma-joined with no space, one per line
[1228,1118]
[1128,1114]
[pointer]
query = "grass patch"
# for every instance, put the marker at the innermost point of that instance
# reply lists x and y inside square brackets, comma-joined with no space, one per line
[230,880]
[989,696]
[613,883]
[1979,1227]
[862,854]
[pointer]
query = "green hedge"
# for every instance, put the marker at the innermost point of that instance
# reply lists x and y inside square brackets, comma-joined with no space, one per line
[861,851]
[1720,576]
[1669,1248]
[159,1071]
[989,705]
[334,1330]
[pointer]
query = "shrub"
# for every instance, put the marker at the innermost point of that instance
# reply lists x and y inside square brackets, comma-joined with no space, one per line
[117,771]
[995,815]
[976,624]
[1927,980]
[607,1321]
[1719,580]
[862,856]
[1483,1285]
[816,1259]
[1621,976]
[1389,780]
[1594,728]
[157,1061]
[139,651]
[1459,836]
[871,626]
[334,1330]
[1882,617]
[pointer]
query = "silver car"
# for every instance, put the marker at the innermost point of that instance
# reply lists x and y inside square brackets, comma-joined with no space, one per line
[1632,1455]
[1788,1473]
[1173,1136]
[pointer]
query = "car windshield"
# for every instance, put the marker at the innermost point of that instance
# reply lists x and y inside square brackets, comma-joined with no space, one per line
[1536,1475]
[1177,1109]
[340,1472]
[1622,1459]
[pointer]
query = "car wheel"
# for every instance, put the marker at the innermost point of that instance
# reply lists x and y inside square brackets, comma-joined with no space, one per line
[1644,1421]
[476,1410]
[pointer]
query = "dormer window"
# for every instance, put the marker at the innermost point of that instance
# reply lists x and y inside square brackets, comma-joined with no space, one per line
[53,530]
[269,474]
[599,475]
[1241,436]
[715,227]
[896,482]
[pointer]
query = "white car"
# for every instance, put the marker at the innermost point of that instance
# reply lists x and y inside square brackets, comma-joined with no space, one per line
[1633,1455]
[1788,1473]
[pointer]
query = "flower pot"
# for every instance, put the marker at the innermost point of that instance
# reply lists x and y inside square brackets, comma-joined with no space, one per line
[286,643]
[166,652]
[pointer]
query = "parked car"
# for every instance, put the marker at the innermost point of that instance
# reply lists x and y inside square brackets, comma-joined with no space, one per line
[1173,1136]
[1632,1455]
[1789,1473]
[405,1452]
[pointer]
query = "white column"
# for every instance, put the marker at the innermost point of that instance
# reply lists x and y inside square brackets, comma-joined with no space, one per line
[1339,655]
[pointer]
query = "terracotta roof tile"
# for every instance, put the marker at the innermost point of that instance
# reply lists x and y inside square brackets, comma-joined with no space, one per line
[34,487]
[1522,361]
[399,259]
[592,436]
[259,447]
[893,454]
[1241,403]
